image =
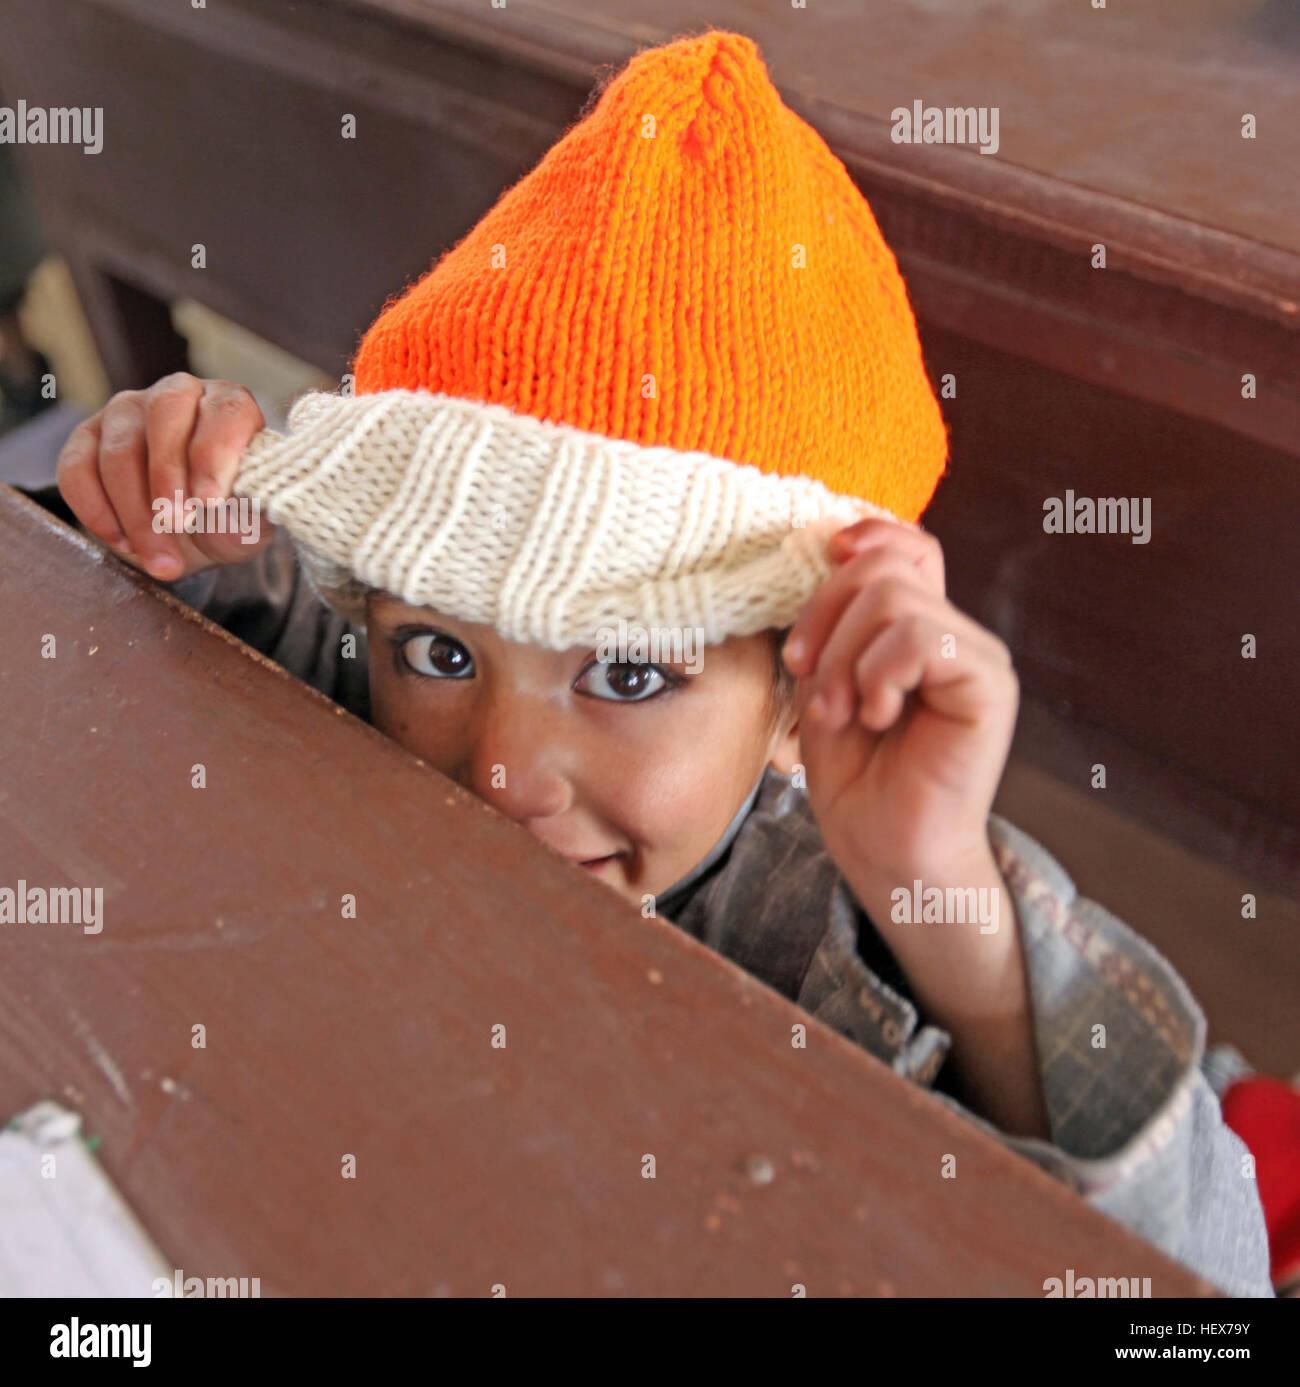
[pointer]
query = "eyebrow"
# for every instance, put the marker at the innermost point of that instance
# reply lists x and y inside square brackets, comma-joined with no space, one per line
[395,610]
[386,599]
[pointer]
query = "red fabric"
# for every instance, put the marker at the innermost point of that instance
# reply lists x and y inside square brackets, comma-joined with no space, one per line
[1265,1114]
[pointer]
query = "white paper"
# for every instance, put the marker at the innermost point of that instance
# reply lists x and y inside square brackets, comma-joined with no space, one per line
[69,1233]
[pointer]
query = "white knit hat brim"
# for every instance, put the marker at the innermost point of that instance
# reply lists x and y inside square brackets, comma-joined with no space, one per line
[548,533]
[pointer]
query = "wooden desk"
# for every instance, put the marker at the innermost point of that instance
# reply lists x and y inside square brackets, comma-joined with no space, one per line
[1119,127]
[372,1037]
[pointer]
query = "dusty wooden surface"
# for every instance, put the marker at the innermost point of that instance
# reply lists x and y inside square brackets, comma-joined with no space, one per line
[329,1037]
[1120,127]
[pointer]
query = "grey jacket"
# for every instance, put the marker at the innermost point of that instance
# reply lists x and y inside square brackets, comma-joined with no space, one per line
[1136,1128]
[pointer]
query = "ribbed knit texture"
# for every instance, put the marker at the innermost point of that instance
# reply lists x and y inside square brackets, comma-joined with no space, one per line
[689,266]
[547,533]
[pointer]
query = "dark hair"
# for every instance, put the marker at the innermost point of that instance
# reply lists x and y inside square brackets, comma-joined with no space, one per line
[783,682]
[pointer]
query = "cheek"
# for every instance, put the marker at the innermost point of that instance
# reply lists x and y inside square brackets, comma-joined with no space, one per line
[664,800]
[386,702]
[676,786]
[399,715]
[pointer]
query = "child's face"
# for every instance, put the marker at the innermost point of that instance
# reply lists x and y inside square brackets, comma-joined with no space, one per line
[644,765]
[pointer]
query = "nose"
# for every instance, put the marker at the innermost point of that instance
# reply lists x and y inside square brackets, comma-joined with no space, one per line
[518,759]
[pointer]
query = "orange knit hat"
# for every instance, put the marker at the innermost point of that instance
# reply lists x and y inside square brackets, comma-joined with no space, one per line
[692,232]
[688,277]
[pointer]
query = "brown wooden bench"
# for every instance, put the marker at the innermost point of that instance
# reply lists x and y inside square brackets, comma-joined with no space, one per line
[326,1037]
[223,128]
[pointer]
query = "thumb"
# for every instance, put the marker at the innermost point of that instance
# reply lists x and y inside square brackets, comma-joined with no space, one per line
[234,530]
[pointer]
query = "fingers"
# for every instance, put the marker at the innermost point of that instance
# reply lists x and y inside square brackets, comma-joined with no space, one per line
[892,636]
[169,411]
[228,417]
[873,532]
[962,679]
[103,474]
[866,553]
[124,473]
[77,474]
[120,471]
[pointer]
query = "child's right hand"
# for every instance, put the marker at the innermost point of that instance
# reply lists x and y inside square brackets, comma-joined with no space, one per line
[182,434]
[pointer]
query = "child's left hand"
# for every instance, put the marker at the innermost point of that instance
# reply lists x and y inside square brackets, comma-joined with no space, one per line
[901,773]
[920,707]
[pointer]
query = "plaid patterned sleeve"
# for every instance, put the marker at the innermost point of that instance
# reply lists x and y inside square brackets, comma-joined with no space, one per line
[1136,1127]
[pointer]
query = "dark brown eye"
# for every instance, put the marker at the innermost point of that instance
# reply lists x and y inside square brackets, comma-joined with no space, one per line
[626,682]
[436,655]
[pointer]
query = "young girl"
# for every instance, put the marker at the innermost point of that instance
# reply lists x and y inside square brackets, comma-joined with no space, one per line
[669,391]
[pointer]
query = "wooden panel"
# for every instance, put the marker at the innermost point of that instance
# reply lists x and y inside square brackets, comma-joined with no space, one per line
[1136,646]
[1141,103]
[1113,131]
[224,125]
[371,1037]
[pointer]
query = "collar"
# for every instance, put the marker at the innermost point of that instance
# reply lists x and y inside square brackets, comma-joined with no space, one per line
[674,896]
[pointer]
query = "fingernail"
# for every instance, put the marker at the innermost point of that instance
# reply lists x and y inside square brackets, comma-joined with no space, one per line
[124,546]
[817,708]
[793,650]
[162,566]
[207,489]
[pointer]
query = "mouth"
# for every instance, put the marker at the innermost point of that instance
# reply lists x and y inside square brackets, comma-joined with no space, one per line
[594,864]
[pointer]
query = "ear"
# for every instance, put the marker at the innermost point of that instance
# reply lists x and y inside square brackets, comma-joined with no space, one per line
[784,751]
